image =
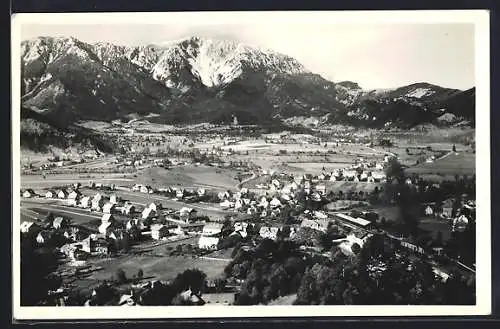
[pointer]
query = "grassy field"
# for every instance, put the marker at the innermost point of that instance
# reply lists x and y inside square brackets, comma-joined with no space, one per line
[189,176]
[462,163]
[37,181]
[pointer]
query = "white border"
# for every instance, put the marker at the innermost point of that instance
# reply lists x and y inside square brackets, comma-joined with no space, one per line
[483,279]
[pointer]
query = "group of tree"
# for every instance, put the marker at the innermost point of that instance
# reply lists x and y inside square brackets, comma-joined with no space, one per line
[381,276]
[270,270]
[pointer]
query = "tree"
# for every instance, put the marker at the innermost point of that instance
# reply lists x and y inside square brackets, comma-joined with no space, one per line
[193,279]
[220,284]
[454,149]
[140,273]
[121,277]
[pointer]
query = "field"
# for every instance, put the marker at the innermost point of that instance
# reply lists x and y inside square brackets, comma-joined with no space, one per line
[189,177]
[463,163]
[37,181]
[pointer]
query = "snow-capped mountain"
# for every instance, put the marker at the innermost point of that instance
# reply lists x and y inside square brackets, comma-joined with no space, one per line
[207,80]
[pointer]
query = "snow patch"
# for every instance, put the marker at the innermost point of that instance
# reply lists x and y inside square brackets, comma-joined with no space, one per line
[420,92]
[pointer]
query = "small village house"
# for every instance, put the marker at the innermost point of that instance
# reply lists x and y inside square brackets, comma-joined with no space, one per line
[30,228]
[275,203]
[107,218]
[318,225]
[156,206]
[226,204]
[60,223]
[159,231]
[50,194]
[429,211]
[97,204]
[179,193]
[74,195]
[269,232]
[208,242]
[44,237]
[28,193]
[210,229]
[148,213]
[62,194]
[128,209]
[187,214]
[201,191]
[447,208]
[109,208]
[85,202]
[113,199]
[105,228]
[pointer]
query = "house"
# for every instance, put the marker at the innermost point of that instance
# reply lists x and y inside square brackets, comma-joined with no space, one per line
[201,191]
[60,222]
[408,181]
[85,202]
[359,222]
[74,195]
[128,209]
[156,206]
[137,187]
[75,233]
[113,199]
[127,300]
[370,179]
[263,202]
[107,218]
[210,229]
[269,232]
[136,222]
[148,213]
[50,194]
[363,177]
[320,215]
[146,189]
[347,244]
[238,204]
[460,223]
[208,242]
[105,228]
[159,231]
[97,204]
[28,193]
[30,228]
[318,225]
[109,208]
[61,194]
[179,193]
[321,189]
[333,178]
[275,203]
[448,208]
[187,214]
[223,195]
[429,211]
[226,299]
[226,204]
[44,237]
[244,191]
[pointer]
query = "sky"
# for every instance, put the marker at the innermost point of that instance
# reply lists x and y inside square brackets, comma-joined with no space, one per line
[373,55]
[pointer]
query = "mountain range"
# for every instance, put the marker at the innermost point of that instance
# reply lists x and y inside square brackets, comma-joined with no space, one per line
[195,80]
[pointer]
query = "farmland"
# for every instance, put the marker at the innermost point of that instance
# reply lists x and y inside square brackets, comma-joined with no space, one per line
[462,163]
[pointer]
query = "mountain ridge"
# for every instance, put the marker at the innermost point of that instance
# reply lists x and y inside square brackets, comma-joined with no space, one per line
[209,80]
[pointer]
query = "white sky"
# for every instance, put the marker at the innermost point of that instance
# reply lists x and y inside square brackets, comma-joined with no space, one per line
[373,55]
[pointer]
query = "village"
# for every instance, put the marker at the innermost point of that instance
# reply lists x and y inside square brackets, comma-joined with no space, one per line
[93,224]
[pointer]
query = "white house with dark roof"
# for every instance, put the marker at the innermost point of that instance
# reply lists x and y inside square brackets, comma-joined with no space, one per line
[208,242]
[212,229]
[60,222]
[148,213]
[62,194]
[107,218]
[109,208]
[128,209]
[74,195]
[159,231]
[106,228]
[85,202]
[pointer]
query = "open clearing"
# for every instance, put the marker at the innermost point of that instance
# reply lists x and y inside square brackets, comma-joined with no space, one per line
[159,267]
[189,176]
[462,163]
